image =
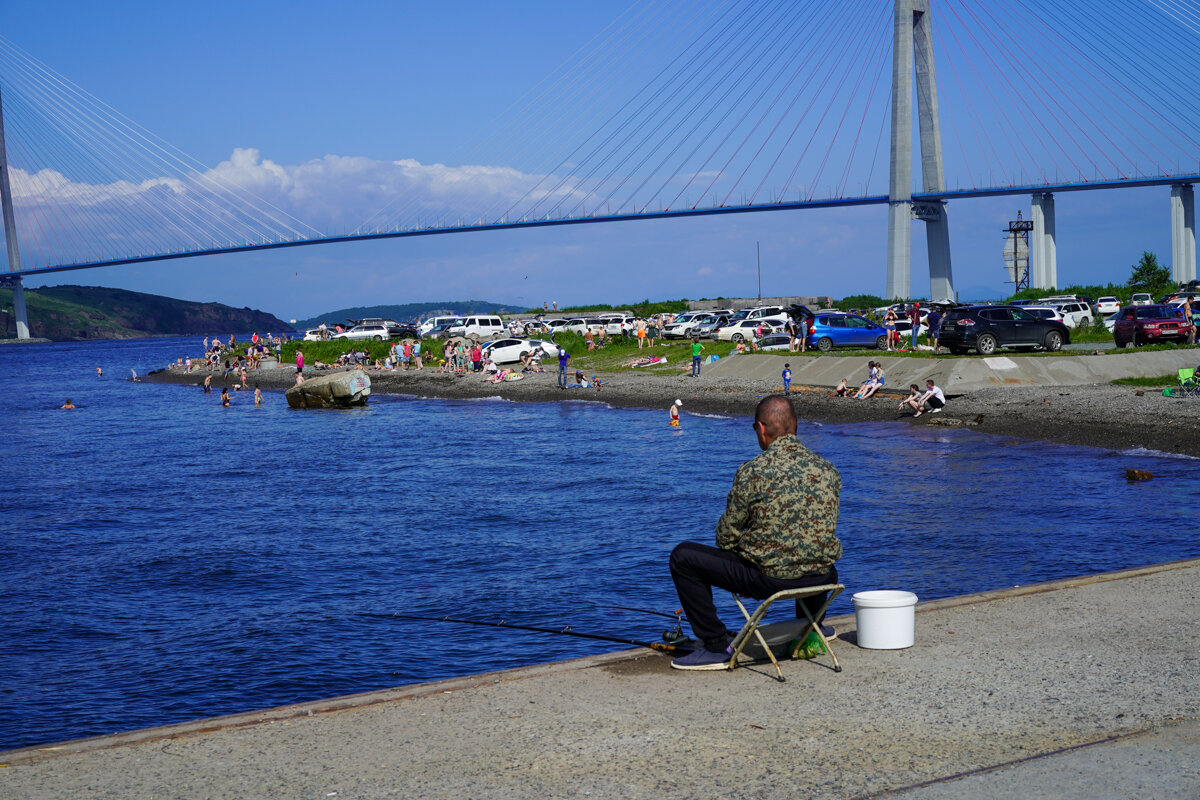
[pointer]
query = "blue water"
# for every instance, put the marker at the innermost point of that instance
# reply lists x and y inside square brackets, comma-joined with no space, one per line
[164,558]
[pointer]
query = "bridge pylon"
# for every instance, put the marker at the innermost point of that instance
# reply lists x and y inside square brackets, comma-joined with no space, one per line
[10,238]
[912,57]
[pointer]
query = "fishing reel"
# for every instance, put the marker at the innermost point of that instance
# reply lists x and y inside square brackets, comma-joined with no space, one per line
[675,635]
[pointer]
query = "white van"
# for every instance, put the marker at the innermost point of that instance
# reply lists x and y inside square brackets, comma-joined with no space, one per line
[479,327]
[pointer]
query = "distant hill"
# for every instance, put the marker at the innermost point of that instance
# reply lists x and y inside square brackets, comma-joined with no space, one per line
[408,312]
[72,313]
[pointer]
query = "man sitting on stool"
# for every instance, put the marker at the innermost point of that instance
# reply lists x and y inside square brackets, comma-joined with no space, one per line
[779,531]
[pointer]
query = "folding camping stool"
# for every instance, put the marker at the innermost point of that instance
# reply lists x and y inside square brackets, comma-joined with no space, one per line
[754,620]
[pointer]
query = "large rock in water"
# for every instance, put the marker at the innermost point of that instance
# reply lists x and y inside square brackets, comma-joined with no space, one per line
[338,390]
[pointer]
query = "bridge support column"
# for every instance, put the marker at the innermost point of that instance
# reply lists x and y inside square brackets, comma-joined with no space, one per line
[18,290]
[10,239]
[912,53]
[1043,252]
[1183,233]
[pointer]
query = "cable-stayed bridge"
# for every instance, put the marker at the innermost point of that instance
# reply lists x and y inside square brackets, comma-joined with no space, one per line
[679,109]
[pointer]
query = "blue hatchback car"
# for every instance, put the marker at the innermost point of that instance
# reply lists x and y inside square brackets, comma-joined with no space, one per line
[827,331]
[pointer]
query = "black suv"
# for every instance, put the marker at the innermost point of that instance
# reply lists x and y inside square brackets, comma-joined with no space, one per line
[985,328]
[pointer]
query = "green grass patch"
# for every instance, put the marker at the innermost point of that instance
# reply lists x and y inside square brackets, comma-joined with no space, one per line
[1163,380]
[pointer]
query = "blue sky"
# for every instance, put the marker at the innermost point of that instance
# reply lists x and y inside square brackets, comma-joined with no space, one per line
[295,84]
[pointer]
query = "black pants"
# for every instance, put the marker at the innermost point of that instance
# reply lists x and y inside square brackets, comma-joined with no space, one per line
[697,568]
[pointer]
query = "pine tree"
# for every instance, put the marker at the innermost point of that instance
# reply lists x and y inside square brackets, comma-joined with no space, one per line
[1148,276]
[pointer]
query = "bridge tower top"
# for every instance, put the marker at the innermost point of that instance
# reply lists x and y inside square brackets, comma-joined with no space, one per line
[912,55]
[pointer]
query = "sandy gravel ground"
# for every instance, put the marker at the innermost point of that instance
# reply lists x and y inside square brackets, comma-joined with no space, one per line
[1102,415]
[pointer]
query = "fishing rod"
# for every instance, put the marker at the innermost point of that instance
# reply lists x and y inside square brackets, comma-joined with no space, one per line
[565,631]
[673,635]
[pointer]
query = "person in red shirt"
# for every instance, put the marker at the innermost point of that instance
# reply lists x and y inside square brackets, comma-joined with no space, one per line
[915,316]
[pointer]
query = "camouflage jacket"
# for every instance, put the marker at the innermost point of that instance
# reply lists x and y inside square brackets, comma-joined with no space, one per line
[782,511]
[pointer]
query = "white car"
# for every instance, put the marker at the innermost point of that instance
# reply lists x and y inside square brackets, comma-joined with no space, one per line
[509,351]
[1047,312]
[317,335]
[1075,314]
[1111,321]
[1141,299]
[743,330]
[375,331]
[1107,305]
[682,324]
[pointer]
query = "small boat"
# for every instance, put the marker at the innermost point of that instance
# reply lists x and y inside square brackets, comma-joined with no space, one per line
[338,390]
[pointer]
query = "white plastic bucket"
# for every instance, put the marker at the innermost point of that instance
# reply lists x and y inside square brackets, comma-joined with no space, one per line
[886,619]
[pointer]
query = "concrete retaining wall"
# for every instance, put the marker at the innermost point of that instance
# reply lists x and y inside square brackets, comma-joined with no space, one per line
[958,374]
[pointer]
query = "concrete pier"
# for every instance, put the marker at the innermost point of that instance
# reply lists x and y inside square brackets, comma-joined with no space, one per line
[1083,687]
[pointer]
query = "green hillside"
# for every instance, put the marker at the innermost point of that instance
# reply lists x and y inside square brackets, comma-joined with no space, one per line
[72,313]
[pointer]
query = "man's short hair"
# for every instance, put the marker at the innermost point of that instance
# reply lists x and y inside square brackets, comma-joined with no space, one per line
[776,414]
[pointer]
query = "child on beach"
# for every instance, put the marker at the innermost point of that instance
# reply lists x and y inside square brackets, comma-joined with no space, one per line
[675,413]
[787,379]
[257,396]
[840,390]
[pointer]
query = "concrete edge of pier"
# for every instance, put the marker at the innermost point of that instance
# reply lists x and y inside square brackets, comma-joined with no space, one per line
[1054,689]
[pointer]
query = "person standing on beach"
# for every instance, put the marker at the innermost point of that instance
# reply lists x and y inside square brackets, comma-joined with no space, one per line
[697,349]
[787,380]
[914,316]
[790,327]
[933,322]
[1187,315]
[564,358]
[476,358]
[416,354]
[778,531]
[299,361]
[641,333]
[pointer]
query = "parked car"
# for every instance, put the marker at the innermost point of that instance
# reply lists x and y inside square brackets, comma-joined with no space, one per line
[678,328]
[478,327]
[744,329]
[986,328]
[508,351]
[442,329]
[582,325]
[827,331]
[1141,299]
[1107,305]
[1046,312]
[1138,325]
[317,335]
[374,331]
[705,326]
[1075,314]
[428,325]
[775,341]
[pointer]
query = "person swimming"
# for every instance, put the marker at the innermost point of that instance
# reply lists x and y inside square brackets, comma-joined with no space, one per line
[67,404]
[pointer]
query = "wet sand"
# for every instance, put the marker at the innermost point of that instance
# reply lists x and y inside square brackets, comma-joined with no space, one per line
[1096,415]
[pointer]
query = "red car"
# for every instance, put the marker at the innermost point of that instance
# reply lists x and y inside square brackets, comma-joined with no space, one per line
[1138,325]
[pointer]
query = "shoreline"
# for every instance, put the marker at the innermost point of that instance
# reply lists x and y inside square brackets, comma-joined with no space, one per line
[1090,415]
